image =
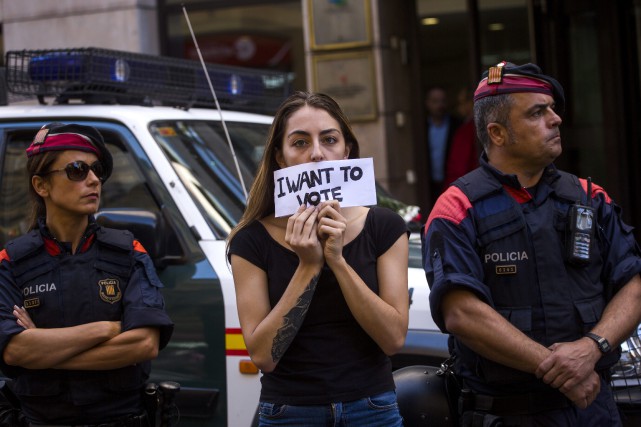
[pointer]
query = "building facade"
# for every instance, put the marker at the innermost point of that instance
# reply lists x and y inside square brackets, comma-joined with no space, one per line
[377,57]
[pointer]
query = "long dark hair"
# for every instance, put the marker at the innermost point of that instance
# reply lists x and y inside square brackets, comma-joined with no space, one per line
[37,165]
[260,202]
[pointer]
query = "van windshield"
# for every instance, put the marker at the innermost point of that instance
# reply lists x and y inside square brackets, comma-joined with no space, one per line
[200,154]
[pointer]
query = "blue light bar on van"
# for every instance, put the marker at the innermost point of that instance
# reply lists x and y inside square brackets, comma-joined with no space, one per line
[75,67]
[95,75]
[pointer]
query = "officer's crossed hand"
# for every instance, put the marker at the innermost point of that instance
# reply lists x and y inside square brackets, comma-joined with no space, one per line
[23,318]
[570,368]
[584,393]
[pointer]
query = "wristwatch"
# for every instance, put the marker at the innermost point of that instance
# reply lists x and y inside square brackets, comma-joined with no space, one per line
[601,342]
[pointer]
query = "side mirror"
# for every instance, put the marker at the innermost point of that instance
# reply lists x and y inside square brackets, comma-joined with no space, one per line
[148,228]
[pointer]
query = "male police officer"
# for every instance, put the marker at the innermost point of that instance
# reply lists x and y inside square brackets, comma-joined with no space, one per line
[532,271]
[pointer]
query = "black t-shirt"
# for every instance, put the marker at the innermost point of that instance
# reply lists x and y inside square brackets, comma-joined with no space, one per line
[332,359]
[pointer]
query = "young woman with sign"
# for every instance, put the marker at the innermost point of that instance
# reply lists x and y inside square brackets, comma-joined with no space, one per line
[322,294]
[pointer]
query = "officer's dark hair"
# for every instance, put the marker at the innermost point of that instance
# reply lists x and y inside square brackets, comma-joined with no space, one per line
[38,165]
[491,109]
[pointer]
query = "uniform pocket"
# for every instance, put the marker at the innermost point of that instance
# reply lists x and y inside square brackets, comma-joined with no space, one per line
[500,225]
[151,295]
[520,317]
[590,311]
[28,271]
[495,373]
[113,268]
[46,383]
[128,378]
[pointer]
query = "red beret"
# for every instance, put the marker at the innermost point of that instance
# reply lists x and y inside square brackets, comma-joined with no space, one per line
[60,137]
[506,77]
[60,142]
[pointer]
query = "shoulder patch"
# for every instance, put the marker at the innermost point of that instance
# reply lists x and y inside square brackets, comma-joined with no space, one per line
[121,239]
[452,205]
[25,245]
[596,190]
[138,247]
[4,256]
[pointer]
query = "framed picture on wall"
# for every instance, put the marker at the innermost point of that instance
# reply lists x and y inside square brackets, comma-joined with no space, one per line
[349,78]
[339,23]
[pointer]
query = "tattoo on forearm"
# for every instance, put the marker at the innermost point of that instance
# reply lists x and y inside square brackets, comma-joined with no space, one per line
[293,320]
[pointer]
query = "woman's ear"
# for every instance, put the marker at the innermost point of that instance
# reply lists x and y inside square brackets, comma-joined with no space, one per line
[348,149]
[40,185]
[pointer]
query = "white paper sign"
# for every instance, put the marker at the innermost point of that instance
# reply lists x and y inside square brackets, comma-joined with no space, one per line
[351,182]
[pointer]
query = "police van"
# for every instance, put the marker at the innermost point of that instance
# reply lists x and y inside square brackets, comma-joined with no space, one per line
[175,185]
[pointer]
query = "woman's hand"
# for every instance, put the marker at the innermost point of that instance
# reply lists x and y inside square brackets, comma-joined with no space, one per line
[331,230]
[23,317]
[301,235]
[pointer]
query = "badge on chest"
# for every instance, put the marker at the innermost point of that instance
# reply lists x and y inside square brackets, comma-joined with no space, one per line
[110,290]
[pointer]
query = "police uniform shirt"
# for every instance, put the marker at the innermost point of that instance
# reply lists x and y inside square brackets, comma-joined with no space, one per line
[507,247]
[106,279]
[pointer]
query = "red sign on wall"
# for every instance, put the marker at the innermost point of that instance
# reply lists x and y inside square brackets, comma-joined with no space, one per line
[255,51]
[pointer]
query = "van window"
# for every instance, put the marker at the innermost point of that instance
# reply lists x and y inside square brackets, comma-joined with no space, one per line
[127,186]
[15,206]
[200,154]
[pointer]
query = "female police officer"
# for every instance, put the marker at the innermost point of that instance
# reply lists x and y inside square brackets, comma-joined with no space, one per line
[81,314]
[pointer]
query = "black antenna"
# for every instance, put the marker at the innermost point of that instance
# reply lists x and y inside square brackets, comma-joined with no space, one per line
[590,191]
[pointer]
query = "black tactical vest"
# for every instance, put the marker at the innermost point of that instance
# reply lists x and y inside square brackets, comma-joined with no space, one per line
[68,290]
[522,250]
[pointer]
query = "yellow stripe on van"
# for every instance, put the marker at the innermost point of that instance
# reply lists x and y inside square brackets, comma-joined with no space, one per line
[234,343]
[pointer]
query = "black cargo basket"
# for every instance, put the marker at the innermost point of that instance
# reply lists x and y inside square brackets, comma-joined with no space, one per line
[102,76]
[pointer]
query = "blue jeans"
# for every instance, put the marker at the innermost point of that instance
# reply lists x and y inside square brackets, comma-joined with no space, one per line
[380,410]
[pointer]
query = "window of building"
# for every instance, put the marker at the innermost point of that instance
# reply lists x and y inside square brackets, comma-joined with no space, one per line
[239,33]
[449,47]
[504,32]
[444,45]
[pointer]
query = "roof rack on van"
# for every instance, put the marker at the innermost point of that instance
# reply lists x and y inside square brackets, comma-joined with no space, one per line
[103,76]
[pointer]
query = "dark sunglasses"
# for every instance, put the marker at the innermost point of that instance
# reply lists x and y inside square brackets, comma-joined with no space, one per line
[78,171]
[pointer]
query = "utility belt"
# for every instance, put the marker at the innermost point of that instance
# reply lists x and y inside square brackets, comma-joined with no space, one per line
[131,421]
[472,409]
[480,410]
[517,404]
[159,402]
[523,404]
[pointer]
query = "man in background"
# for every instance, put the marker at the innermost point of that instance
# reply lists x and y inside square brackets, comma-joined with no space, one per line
[440,130]
[463,156]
